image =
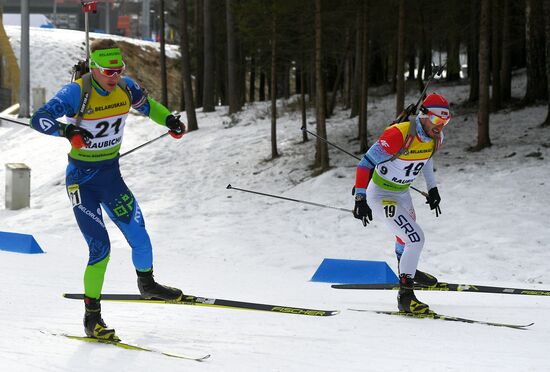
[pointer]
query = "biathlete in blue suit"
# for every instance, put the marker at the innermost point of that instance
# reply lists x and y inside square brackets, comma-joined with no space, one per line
[96,107]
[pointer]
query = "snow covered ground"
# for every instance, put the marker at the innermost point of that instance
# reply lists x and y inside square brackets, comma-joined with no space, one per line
[227,244]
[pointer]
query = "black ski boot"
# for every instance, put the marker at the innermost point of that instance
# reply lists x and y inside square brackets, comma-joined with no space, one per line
[406,300]
[151,289]
[422,278]
[94,326]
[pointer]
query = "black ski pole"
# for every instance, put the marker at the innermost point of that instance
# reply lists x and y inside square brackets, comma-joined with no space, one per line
[350,154]
[144,144]
[15,121]
[229,187]
[328,142]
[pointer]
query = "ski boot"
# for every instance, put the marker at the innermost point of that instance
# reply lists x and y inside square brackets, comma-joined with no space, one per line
[94,326]
[423,278]
[151,289]
[406,300]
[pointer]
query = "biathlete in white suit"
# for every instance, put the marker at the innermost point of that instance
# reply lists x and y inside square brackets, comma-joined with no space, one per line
[382,181]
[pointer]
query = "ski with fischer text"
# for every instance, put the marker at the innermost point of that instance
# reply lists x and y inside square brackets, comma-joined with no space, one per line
[211,302]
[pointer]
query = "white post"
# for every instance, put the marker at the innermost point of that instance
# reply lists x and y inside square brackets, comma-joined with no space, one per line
[87,29]
[54,19]
[145,19]
[108,17]
[24,83]
[18,186]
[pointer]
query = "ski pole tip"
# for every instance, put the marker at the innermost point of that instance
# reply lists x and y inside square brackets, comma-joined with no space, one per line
[229,187]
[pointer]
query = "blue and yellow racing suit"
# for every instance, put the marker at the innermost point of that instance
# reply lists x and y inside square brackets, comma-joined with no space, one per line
[93,178]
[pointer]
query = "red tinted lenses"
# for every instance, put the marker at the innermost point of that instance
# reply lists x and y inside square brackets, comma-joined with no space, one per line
[111,71]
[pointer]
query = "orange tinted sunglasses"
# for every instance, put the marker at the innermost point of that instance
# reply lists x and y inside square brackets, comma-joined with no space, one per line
[438,120]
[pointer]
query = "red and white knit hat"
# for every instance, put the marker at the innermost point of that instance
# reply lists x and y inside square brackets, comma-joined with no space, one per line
[436,104]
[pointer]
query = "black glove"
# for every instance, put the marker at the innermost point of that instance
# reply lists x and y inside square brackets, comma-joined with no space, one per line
[177,128]
[78,136]
[362,210]
[433,199]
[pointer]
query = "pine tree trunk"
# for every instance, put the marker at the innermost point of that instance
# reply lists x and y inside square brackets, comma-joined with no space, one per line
[298,78]
[252,82]
[339,74]
[303,102]
[400,77]
[163,79]
[378,67]
[429,54]
[355,85]
[412,61]
[505,67]
[422,61]
[273,90]
[285,76]
[220,90]
[363,109]
[322,159]
[242,71]
[496,57]
[311,81]
[392,63]
[347,81]
[209,59]
[546,11]
[534,38]
[473,52]
[261,89]
[182,96]
[186,70]
[453,43]
[199,51]
[233,93]
[426,51]
[483,113]
[425,67]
